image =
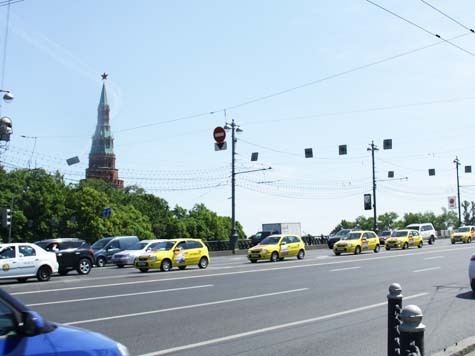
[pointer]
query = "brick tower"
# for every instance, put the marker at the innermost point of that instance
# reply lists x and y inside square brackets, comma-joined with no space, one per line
[102,157]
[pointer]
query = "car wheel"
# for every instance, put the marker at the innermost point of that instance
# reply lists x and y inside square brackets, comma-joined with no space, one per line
[143,270]
[182,267]
[431,240]
[453,242]
[84,266]
[337,253]
[63,272]
[253,261]
[357,250]
[406,245]
[22,280]
[166,265]
[472,284]
[387,248]
[469,240]
[44,274]
[274,256]
[203,262]
[281,258]
[420,244]
[101,262]
[120,266]
[376,249]
[301,254]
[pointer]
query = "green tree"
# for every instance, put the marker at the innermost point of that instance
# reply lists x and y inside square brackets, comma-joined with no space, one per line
[387,221]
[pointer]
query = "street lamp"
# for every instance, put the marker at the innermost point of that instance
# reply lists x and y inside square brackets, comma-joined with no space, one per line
[8,96]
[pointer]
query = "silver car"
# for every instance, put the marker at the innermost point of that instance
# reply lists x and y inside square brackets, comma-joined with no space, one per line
[127,257]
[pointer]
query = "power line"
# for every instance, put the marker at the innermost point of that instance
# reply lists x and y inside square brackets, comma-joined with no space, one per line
[448,16]
[422,28]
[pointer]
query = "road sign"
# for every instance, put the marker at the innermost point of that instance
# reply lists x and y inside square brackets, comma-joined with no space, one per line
[452,202]
[219,134]
[107,212]
[220,146]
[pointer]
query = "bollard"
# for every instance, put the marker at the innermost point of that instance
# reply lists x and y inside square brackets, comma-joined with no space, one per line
[394,308]
[412,331]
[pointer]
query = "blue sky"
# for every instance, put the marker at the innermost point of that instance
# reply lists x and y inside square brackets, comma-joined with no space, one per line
[168,60]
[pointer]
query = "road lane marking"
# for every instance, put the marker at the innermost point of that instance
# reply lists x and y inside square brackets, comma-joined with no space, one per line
[343,269]
[425,269]
[186,307]
[433,258]
[343,261]
[274,328]
[120,295]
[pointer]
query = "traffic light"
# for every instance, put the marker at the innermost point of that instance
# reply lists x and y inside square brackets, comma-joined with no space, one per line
[342,150]
[367,202]
[6,217]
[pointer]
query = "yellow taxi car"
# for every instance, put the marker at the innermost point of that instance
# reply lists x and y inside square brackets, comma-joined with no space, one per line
[357,241]
[463,234]
[174,253]
[277,247]
[403,239]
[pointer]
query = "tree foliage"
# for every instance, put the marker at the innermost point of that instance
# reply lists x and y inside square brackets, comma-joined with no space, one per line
[44,206]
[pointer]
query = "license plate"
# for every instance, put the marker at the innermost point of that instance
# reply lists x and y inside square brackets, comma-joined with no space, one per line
[255,255]
[340,249]
[141,264]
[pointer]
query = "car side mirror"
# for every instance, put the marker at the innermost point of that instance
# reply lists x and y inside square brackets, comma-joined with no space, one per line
[283,243]
[33,323]
[148,250]
[177,250]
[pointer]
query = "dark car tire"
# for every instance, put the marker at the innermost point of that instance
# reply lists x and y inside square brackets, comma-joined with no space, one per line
[253,260]
[281,258]
[63,271]
[274,256]
[203,262]
[166,265]
[84,266]
[143,270]
[100,261]
[420,244]
[376,249]
[337,253]
[44,274]
[182,267]
[405,246]
[357,250]
[120,266]
[453,242]
[431,240]
[387,248]
[472,284]
[301,255]
[22,279]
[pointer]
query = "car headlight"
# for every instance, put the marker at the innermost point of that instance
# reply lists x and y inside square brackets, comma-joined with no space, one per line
[123,349]
[265,251]
[152,258]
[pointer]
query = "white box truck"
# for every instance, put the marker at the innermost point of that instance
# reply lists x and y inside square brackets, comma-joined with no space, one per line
[283,228]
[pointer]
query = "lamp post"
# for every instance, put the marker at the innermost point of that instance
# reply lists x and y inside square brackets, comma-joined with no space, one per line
[457,164]
[372,147]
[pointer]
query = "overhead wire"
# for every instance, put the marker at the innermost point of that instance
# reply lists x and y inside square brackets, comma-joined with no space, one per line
[447,16]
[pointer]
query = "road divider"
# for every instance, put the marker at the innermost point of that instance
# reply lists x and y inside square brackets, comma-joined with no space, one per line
[122,316]
[120,295]
[274,328]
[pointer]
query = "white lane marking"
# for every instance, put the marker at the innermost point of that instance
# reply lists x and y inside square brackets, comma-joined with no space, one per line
[425,269]
[433,258]
[319,257]
[343,269]
[186,307]
[274,328]
[120,295]
[343,261]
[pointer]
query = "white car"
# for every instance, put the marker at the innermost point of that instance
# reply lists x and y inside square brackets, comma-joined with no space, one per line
[127,257]
[426,230]
[25,260]
[471,272]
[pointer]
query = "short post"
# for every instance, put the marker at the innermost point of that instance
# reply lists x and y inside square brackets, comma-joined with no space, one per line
[394,308]
[412,331]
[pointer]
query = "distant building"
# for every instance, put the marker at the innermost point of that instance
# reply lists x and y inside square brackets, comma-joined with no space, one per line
[102,157]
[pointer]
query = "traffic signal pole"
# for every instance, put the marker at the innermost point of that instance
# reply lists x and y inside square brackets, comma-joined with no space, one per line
[11,221]
[457,164]
[373,148]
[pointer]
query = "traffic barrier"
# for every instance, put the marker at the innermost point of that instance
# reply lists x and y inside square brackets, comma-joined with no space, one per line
[244,244]
[405,328]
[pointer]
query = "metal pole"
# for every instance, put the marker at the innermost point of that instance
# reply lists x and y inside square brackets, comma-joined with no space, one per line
[11,221]
[412,331]
[457,164]
[233,237]
[375,222]
[394,308]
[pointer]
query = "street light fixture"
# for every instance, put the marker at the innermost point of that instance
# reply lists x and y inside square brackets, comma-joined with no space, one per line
[8,96]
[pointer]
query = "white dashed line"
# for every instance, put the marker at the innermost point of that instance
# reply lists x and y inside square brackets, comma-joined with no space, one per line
[425,269]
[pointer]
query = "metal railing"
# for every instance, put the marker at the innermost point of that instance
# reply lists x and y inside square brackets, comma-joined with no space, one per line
[224,245]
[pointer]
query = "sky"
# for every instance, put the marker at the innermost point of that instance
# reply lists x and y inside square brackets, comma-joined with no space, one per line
[292,74]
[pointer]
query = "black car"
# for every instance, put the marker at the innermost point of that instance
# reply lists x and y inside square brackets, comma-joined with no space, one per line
[338,236]
[261,235]
[72,254]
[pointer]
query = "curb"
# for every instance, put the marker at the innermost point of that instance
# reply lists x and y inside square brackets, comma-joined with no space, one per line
[459,349]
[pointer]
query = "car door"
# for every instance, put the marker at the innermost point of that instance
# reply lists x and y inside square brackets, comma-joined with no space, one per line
[8,262]
[293,245]
[364,241]
[27,261]
[284,246]
[66,255]
[112,248]
[180,256]
[374,240]
[193,249]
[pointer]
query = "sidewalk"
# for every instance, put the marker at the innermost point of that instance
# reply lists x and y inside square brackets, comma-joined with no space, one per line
[465,347]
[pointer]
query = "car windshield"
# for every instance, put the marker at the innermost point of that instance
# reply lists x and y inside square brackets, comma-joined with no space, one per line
[42,244]
[162,246]
[100,244]
[353,236]
[463,229]
[385,233]
[399,233]
[271,240]
[413,227]
[342,233]
[139,246]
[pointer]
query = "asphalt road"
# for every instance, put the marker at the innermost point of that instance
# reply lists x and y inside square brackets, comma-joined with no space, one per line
[322,305]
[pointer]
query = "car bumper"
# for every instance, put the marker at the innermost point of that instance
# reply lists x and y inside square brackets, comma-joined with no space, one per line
[258,255]
[147,264]
[343,249]
[123,261]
